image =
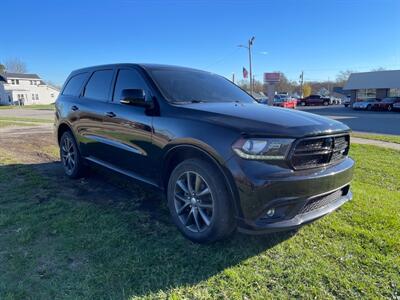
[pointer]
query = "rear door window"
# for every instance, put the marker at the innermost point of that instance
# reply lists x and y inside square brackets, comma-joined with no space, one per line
[74,85]
[129,79]
[99,85]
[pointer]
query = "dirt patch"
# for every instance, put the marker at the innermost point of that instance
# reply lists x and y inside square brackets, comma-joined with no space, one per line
[37,148]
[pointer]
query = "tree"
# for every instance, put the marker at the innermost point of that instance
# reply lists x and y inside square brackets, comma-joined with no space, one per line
[342,77]
[15,65]
[2,69]
[306,90]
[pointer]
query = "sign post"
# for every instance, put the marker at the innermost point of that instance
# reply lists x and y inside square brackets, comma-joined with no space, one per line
[270,79]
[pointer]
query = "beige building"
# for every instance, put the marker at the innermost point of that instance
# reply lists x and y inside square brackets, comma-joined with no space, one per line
[26,89]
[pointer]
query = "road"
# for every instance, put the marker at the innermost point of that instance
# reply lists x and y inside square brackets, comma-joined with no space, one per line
[378,122]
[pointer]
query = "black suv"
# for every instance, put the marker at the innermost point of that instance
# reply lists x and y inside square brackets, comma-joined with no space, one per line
[224,161]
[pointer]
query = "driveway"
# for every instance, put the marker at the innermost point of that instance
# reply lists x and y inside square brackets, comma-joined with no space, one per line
[379,122]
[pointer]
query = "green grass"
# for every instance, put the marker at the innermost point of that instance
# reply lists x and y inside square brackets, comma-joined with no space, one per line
[23,119]
[378,137]
[6,123]
[16,121]
[79,240]
[34,106]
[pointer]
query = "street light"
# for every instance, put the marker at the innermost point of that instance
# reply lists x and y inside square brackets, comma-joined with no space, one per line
[250,44]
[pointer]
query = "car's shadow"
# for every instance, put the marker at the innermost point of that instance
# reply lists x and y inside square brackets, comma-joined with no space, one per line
[138,251]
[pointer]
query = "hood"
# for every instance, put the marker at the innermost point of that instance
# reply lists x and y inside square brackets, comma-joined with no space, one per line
[260,119]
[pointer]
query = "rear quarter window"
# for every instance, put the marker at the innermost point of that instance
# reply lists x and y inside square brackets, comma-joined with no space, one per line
[74,84]
[99,85]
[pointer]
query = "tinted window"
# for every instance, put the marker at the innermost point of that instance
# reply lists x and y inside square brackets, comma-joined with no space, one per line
[129,79]
[186,85]
[74,85]
[99,85]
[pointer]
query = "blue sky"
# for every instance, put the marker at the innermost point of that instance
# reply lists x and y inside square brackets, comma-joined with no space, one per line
[320,37]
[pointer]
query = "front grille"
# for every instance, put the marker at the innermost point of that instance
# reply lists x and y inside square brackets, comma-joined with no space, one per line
[320,151]
[322,201]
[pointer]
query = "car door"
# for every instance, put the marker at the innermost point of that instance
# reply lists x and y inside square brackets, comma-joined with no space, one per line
[92,109]
[128,128]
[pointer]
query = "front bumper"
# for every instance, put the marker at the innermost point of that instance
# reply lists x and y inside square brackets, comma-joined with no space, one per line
[297,197]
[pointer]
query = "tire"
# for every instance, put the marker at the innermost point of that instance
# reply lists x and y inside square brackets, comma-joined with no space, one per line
[302,103]
[70,156]
[390,108]
[325,103]
[202,218]
[346,105]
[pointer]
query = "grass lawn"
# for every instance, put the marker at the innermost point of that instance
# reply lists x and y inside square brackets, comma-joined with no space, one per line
[57,242]
[7,123]
[34,106]
[15,121]
[378,137]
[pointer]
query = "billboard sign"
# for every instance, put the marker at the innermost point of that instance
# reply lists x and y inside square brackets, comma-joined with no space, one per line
[272,77]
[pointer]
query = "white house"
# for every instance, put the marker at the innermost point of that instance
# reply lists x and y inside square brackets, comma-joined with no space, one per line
[27,89]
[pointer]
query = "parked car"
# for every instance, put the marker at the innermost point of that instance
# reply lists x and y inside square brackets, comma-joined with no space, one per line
[386,103]
[396,106]
[315,100]
[223,160]
[285,101]
[367,104]
[346,102]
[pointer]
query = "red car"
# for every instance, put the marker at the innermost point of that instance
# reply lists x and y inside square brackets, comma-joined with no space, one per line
[386,103]
[285,101]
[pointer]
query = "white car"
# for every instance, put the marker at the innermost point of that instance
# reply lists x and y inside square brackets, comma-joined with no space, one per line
[396,106]
[365,105]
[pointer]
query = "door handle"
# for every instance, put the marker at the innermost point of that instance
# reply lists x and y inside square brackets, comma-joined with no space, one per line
[74,108]
[110,114]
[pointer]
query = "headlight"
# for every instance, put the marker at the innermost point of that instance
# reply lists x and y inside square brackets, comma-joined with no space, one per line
[263,149]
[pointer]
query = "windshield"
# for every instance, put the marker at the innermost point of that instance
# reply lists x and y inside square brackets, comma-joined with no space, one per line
[186,85]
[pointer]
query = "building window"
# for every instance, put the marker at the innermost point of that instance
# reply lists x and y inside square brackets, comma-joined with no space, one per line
[52,95]
[394,92]
[37,97]
[12,81]
[33,96]
[16,81]
[366,94]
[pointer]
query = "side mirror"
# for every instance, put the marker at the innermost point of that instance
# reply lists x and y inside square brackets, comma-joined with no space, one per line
[136,97]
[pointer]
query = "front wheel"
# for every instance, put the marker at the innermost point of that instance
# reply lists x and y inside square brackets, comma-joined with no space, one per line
[199,202]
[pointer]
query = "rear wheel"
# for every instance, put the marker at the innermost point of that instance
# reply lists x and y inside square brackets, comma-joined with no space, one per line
[70,156]
[326,103]
[199,202]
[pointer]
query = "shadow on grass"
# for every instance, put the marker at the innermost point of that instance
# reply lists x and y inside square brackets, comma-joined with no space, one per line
[105,237]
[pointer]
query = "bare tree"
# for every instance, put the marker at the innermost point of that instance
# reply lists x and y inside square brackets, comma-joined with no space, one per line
[342,77]
[2,69]
[15,65]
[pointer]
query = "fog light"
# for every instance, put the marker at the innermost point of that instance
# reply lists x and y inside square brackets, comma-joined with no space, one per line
[271,212]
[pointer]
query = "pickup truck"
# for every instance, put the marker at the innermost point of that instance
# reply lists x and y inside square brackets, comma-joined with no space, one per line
[314,100]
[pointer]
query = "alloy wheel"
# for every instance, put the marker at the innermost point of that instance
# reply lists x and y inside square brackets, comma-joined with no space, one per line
[68,154]
[193,200]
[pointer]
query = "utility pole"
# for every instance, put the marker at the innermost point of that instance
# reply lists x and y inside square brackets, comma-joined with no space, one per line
[250,44]
[233,77]
[301,83]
